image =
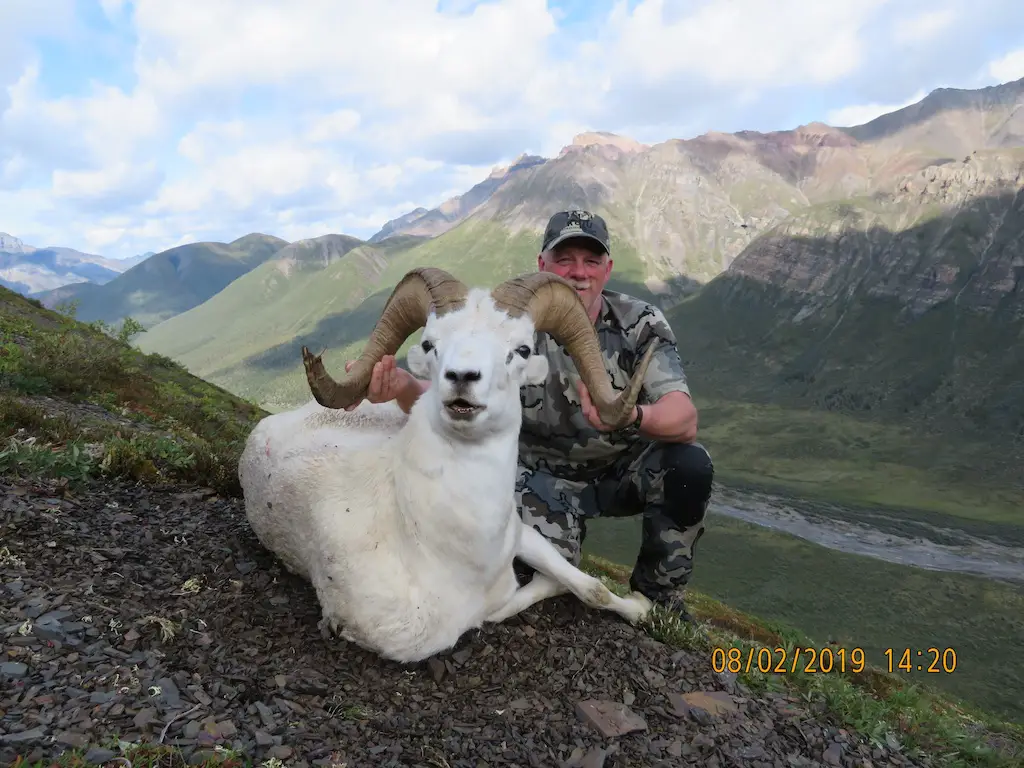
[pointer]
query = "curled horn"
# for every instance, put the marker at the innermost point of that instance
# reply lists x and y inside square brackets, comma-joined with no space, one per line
[556,308]
[421,291]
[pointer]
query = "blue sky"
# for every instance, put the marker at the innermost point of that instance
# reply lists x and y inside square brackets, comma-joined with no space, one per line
[135,125]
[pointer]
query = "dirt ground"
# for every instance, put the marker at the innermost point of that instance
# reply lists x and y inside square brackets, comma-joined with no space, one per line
[146,614]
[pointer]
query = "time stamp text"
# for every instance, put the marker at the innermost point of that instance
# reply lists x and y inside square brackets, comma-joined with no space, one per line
[828,659]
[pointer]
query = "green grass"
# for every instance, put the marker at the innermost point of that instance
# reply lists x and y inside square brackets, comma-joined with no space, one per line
[77,402]
[849,460]
[887,708]
[259,358]
[195,432]
[291,295]
[859,602]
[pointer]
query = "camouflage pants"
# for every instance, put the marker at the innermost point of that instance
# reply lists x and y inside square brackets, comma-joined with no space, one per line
[668,483]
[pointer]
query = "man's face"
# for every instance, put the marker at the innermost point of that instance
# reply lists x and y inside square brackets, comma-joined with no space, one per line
[586,270]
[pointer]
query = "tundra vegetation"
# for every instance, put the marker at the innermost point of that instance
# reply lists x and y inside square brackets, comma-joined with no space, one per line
[80,407]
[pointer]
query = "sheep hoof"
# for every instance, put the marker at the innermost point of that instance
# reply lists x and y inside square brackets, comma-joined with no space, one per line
[641,606]
[328,627]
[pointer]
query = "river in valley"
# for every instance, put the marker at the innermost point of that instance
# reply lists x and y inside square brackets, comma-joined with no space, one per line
[918,544]
[884,578]
[886,536]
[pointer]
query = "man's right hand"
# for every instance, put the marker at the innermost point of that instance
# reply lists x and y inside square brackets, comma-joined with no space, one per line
[387,382]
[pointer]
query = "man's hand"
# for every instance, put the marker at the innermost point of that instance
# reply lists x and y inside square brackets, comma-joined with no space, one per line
[672,419]
[590,410]
[387,382]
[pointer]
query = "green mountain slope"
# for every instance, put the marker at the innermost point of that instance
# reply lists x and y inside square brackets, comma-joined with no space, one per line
[169,282]
[478,251]
[291,293]
[680,213]
[904,309]
[127,459]
[636,193]
[334,309]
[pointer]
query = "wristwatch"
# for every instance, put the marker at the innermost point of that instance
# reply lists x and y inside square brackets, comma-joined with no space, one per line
[633,429]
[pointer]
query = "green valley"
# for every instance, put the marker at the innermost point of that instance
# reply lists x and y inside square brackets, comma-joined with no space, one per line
[168,283]
[848,306]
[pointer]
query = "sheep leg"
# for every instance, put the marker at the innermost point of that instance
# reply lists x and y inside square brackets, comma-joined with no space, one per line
[539,588]
[541,554]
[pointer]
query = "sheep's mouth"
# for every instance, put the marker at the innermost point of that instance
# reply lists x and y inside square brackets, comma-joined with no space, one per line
[460,408]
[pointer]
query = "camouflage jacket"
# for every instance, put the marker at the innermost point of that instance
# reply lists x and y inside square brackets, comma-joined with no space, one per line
[556,437]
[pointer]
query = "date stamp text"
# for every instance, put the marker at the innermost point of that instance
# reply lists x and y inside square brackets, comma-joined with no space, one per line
[830,659]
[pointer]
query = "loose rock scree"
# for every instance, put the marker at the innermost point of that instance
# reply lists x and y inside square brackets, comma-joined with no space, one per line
[406,525]
[235,666]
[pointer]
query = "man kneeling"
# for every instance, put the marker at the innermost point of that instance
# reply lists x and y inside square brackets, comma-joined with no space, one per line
[571,466]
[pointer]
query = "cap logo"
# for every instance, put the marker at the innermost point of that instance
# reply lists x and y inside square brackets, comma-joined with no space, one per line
[575,222]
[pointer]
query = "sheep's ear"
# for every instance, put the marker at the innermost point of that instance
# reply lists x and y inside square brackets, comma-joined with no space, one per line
[417,360]
[536,369]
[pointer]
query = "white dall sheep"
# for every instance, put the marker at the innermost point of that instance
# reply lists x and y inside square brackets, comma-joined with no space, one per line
[406,526]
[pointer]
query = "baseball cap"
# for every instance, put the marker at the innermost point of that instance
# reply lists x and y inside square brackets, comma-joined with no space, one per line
[566,225]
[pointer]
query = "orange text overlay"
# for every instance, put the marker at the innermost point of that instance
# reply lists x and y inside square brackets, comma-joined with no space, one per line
[830,659]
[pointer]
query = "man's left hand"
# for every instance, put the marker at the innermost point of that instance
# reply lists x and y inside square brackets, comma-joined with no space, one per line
[590,410]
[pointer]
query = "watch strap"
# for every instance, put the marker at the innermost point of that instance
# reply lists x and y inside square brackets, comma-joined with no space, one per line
[633,428]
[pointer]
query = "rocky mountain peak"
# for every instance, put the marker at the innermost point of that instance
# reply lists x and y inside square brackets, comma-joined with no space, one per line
[818,134]
[603,139]
[958,182]
[810,136]
[11,244]
[524,160]
[943,104]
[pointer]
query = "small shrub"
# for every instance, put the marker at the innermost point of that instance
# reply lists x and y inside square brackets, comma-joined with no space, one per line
[26,457]
[163,361]
[18,416]
[145,457]
[129,327]
[68,309]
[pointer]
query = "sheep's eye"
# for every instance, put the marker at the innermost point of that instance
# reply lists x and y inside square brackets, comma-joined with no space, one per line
[427,346]
[524,351]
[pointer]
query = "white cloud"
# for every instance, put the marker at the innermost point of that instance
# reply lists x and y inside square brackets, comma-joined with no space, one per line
[255,175]
[112,8]
[1009,67]
[105,127]
[402,53]
[27,215]
[858,114]
[21,21]
[300,117]
[738,43]
[208,139]
[103,236]
[119,181]
[923,27]
[15,171]
[333,126]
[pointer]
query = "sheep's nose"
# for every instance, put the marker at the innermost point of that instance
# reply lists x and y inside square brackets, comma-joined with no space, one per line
[463,376]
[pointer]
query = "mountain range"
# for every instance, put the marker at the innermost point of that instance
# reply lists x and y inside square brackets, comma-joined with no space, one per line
[31,270]
[873,270]
[167,283]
